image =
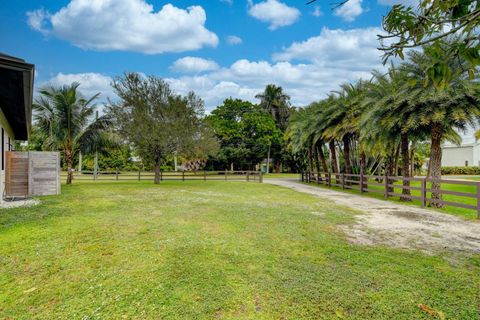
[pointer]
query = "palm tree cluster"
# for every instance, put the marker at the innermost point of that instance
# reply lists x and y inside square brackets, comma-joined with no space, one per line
[372,126]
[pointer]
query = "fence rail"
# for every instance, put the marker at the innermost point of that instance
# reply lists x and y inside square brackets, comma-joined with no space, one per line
[249,176]
[418,189]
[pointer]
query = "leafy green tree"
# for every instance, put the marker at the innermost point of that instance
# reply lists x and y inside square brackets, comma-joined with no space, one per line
[245,133]
[65,118]
[157,122]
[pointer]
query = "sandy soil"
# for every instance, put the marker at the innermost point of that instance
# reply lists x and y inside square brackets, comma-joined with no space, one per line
[19,203]
[397,225]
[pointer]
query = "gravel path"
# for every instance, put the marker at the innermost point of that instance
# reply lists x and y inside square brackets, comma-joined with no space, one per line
[397,225]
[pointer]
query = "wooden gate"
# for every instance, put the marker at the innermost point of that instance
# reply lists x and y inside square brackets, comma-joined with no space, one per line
[32,173]
[16,174]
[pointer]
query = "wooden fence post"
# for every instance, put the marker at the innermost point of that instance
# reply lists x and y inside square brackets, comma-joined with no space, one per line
[226,173]
[116,175]
[478,200]
[183,175]
[138,175]
[248,178]
[424,192]
[329,179]
[161,175]
[361,180]
[204,175]
[386,186]
[260,177]
[343,181]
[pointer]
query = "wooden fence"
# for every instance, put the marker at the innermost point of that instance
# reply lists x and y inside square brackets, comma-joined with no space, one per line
[420,188]
[249,176]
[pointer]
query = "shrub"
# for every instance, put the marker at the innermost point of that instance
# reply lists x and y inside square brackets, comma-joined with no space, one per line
[461,170]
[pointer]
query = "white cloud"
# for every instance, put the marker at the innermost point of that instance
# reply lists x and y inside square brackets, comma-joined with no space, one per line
[127,25]
[350,10]
[90,84]
[194,64]
[274,12]
[317,12]
[307,70]
[355,47]
[234,40]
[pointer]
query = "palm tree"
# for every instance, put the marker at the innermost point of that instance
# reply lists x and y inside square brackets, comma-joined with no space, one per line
[343,118]
[385,117]
[441,110]
[274,101]
[65,117]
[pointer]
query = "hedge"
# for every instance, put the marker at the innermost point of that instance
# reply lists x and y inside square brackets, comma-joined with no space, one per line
[461,170]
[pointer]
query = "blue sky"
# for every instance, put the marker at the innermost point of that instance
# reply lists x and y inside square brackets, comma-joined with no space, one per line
[218,48]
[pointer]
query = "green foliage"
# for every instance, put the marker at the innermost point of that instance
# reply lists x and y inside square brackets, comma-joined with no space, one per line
[461,170]
[159,123]
[245,132]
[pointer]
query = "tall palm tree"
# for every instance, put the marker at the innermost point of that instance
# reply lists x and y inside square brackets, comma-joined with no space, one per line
[343,119]
[456,106]
[274,101]
[386,113]
[65,117]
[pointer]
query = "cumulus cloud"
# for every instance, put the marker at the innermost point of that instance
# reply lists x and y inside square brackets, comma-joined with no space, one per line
[127,25]
[234,40]
[355,47]
[307,70]
[350,10]
[194,64]
[276,13]
[90,84]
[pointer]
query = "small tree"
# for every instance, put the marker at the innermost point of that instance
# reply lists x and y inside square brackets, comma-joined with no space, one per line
[158,122]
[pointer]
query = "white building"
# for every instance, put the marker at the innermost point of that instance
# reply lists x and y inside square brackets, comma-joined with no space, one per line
[464,155]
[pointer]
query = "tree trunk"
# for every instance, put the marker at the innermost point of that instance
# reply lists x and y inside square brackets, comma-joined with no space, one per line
[68,162]
[395,160]
[310,160]
[412,160]
[405,166]
[158,163]
[346,156]
[80,165]
[363,165]
[333,159]
[268,160]
[322,156]
[436,161]
[317,161]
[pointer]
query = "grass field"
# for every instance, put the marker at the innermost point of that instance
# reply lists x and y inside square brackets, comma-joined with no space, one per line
[214,250]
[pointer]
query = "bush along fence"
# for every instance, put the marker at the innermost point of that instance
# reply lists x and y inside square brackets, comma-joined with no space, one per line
[456,193]
[249,176]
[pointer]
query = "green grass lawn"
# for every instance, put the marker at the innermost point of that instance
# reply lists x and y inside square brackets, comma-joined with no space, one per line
[213,250]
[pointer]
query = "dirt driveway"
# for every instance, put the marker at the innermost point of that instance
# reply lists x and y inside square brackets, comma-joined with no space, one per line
[397,225]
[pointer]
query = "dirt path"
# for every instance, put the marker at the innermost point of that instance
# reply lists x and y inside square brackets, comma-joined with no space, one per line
[398,225]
